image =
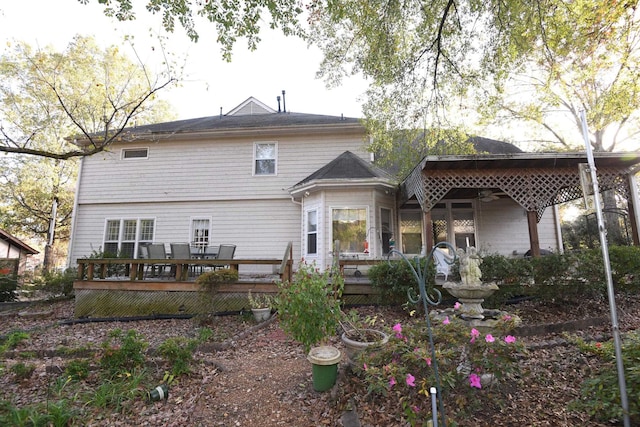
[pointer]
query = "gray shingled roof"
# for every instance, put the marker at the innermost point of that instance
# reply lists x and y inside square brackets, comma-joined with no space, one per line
[223,122]
[347,166]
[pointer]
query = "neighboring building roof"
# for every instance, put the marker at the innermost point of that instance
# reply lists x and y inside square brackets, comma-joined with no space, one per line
[14,241]
[493,146]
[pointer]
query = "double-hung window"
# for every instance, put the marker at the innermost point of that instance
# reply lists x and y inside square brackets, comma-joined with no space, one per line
[200,232]
[265,158]
[123,237]
[312,232]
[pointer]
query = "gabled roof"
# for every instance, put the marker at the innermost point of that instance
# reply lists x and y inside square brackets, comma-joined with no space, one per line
[251,114]
[14,241]
[251,106]
[347,166]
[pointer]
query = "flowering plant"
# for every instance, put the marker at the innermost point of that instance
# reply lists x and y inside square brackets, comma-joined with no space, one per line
[469,363]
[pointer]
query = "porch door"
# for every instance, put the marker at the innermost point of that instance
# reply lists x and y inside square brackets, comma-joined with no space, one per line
[454,222]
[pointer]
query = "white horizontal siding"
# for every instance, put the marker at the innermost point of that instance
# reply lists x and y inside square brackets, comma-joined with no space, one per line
[206,170]
[503,228]
[260,229]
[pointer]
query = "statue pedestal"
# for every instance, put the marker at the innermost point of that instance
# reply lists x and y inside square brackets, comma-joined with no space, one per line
[471,297]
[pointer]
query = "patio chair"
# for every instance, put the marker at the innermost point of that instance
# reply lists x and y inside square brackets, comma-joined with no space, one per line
[157,251]
[443,262]
[225,252]
[181,251]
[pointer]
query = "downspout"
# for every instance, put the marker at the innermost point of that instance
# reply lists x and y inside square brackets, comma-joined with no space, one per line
[74,214]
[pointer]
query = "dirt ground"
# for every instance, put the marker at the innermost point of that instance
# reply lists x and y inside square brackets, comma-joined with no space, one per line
[254,373]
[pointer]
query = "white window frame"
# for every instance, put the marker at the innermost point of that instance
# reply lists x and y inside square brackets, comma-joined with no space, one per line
[367,221]
[137,241]
[255,158]
[192,238]
[308,232]
[124,152]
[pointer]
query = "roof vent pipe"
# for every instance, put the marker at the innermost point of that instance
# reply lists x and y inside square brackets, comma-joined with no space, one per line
[220,112]
[284,104]
[278,98]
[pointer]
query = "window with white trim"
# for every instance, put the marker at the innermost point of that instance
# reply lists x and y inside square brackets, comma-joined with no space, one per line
[349,226]
[135,153]
[265,158]
[200,232]
[312,232]
[123,237]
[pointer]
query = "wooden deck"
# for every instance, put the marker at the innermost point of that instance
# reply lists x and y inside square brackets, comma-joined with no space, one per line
[123,287]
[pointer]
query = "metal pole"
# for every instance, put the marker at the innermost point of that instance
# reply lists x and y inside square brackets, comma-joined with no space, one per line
[607,268]
[434,406]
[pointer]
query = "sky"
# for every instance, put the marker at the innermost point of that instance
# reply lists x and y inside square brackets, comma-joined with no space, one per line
[209,83]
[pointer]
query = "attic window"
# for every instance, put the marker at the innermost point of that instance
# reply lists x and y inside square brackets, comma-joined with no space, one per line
[135,153]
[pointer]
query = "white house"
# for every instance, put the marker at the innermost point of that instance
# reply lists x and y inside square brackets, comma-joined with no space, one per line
[260,178]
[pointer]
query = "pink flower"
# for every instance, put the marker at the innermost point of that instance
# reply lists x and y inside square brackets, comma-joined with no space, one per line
[474,334]
[392,382]
[364,366]
[446,321]
[506,317]
[474,381]
[489,338]
[411,380]
[428,360]
[457,306]
[397,328]
[415,409]
[509,339]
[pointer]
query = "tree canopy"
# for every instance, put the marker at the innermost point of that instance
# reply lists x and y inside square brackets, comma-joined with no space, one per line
[233,19]
[49,99]
[45,97]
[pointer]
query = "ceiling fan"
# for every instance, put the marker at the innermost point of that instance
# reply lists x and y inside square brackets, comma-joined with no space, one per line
[489,195]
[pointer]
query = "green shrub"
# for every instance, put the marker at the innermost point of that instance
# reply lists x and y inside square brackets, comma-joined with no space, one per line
[625,267]
[600,394]
[309,306]
[22,371]
[8,287]
[394,278]
[58,283]
[122,353]
[211,280]
[178,352]
[77,369]
[12,340]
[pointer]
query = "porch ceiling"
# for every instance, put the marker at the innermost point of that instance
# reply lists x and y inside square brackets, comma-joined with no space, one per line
[535,181]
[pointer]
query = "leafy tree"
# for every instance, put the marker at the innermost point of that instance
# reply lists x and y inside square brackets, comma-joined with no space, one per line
[587,60]
[233,19]
[74,103]
[94,82]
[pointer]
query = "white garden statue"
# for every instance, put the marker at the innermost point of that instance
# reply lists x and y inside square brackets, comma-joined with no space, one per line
[469,266]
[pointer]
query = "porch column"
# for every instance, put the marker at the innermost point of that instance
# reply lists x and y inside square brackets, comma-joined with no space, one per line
[428,231]
[534,240]
[634,210]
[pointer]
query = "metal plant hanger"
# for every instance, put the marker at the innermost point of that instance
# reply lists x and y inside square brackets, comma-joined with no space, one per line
[435,298]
